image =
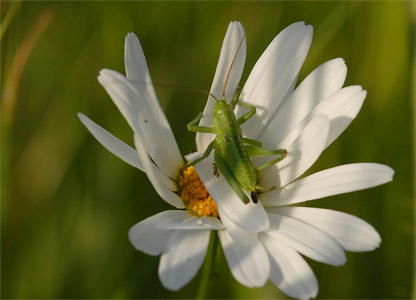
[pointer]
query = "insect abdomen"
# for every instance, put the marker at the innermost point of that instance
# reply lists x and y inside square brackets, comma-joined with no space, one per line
[230,142]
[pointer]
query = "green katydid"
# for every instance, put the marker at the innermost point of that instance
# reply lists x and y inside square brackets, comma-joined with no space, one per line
[232,151]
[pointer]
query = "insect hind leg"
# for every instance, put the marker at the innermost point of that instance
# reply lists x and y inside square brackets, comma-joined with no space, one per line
[228,175]
[252,142]
[254,150]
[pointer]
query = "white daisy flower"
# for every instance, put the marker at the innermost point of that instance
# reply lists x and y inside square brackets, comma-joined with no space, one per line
[263,240]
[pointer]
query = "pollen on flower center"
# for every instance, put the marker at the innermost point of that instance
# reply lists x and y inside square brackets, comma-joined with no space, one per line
[195,195]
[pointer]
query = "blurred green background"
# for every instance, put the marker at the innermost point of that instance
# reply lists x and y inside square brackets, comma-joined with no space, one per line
[67,203]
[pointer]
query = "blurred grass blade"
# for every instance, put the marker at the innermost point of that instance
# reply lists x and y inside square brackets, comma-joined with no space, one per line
[331,25]
[14,7]
[11,86]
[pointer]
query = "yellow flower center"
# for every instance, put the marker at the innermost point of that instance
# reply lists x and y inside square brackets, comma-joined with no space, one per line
[195,195]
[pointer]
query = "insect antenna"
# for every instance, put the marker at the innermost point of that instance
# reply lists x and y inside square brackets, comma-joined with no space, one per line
[186,88]
[238,49]
[231,66]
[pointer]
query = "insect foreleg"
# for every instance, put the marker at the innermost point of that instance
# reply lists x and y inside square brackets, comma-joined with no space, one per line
[247,115]
[193,126]
[226,172]
[253,150]
[206,153]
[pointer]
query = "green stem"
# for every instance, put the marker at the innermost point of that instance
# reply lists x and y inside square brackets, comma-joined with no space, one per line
[208,267]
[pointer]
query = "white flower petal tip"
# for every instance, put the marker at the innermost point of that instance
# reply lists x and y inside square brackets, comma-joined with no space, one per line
[341,108]
[352,233]
[325,80]
[306,239]
[131,41]
[334,181]
[250,217]
[106,76]
[151,235]
[111,143]
[289,271]
[249,265]
[136,65]
[121,150]
[182,257]
[302,153]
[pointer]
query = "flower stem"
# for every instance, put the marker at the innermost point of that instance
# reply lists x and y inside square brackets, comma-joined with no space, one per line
[208,268]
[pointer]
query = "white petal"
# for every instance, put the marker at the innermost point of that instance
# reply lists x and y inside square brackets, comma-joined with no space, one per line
[151,234]
[334,181]
[289,271]
[274,73]
[321,83]
[161,177]
[249,265]
[154,176]
[138,73]
[232,40]
[251,217]
[303,152]
[111,143]
[122,96]
[135,61]
[340,108]
[352,233]
[182,257]
[241,236]
[306,239]
[344,108]
[132,103]
[284,99]
[198,223]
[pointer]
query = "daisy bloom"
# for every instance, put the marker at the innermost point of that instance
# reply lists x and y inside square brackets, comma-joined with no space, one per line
[260,241]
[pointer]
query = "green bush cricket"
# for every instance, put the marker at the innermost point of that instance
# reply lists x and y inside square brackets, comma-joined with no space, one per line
[232,151]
